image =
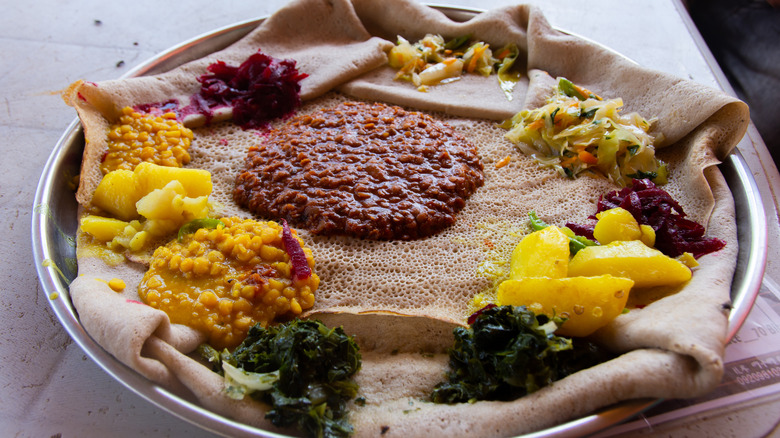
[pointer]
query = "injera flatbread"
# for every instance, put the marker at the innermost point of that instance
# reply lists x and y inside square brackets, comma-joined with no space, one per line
[402,299]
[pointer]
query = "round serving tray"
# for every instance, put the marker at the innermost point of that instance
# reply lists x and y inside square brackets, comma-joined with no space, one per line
[54,225]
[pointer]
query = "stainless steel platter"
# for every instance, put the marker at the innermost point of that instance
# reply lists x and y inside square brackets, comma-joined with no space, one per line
[54,225]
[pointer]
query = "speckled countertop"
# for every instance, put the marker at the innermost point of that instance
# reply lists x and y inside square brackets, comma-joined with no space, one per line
[48,385]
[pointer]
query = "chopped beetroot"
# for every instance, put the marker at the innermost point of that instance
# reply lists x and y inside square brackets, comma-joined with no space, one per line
[476,314]
[259,90]
[298,263]
[650,205]
[582,230]
[158,108]
[198,105]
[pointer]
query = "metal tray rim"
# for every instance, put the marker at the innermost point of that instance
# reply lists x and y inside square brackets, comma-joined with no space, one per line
[43,242]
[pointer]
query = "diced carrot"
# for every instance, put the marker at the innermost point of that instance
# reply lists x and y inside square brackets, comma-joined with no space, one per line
[587,157]
[503,54]
[567,161]
[473,61]
[503,162]
[585,92]
[535,125]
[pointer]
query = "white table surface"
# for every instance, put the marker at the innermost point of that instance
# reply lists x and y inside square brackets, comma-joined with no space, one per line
[48,386]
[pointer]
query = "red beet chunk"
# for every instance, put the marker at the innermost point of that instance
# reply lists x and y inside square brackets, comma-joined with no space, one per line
[159,108]
[259,90]
[299,265]
[473,317]
[582,230]
[654,206]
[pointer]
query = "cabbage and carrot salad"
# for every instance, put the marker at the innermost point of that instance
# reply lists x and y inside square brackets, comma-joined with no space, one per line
[432,61]
[578,133]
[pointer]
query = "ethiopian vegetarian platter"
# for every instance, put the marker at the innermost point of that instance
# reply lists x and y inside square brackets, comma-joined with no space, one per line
[350,223]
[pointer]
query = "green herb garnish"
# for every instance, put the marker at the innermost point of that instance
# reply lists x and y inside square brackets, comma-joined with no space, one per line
[590,113]
[643,175]
[196,224]
[576,242]
[569,89]
[553,114]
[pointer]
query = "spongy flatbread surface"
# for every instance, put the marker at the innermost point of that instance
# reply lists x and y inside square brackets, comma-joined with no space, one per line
[402,299]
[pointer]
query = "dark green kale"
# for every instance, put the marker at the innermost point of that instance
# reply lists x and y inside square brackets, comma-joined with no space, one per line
[315,366]
[506,353]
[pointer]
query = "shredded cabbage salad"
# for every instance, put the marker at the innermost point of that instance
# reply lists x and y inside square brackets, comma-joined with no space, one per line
[578,132]
[432,61]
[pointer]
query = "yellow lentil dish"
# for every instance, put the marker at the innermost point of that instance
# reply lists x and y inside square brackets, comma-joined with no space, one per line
[222,281]
[139,137]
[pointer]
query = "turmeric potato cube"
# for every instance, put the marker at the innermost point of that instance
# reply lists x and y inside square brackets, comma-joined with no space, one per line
[195,208]
[648,235]
[543,253]
[588,303]
[163,203]
[631,259]
[116,195]
[149,176]
[171,203]
[616,224]
[102,228]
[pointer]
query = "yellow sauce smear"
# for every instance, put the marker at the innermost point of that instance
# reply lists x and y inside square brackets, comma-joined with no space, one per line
[89,247]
